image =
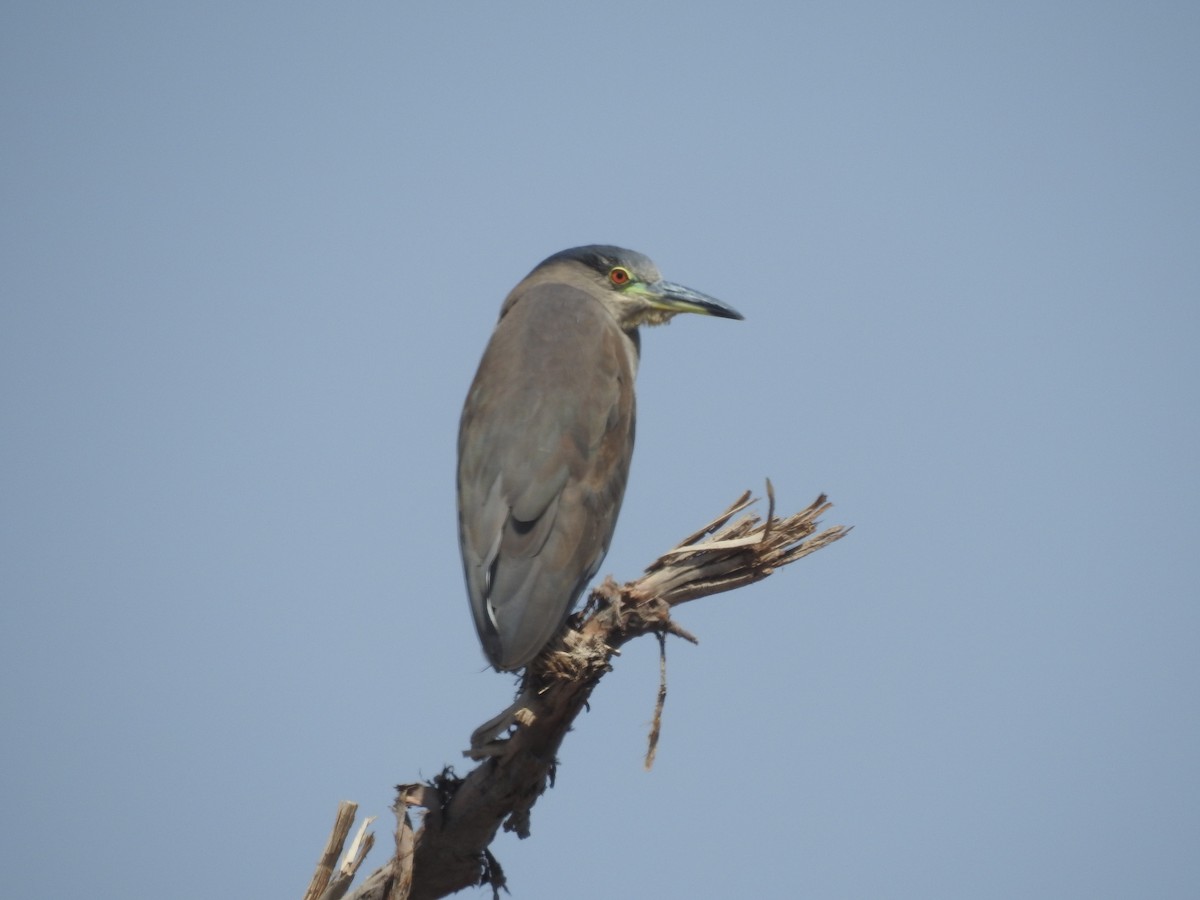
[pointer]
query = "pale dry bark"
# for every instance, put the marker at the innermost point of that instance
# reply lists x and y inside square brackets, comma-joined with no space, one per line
[449,851]
[327,882]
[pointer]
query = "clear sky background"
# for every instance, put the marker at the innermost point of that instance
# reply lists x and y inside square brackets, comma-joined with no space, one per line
[251,254]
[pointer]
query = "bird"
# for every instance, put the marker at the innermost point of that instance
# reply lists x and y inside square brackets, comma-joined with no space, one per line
[546,438]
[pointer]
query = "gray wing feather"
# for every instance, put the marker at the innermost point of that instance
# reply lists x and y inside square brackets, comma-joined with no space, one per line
[544,449]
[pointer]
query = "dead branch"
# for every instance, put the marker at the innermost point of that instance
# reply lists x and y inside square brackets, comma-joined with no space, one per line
[449,851]
[325,884]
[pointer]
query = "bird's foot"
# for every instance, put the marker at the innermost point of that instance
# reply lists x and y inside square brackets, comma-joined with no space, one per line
[491,738]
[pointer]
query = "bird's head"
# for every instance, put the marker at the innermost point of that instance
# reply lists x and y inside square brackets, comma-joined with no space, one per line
[628,284]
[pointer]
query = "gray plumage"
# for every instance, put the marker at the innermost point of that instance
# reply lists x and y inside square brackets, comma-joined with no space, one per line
[547,435]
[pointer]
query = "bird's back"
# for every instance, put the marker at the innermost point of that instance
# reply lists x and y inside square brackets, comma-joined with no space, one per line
[544,448]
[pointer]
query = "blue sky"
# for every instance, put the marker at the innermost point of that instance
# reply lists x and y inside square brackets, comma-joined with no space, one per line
[251,255]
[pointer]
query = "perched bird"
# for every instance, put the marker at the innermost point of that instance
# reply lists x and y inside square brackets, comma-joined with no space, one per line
[546,437]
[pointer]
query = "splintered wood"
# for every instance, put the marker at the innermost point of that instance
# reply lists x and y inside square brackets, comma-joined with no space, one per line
[449,851]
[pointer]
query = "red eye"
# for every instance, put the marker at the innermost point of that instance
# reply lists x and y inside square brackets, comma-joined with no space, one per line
[619,276]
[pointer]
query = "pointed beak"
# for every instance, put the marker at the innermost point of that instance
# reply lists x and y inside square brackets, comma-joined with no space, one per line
[676,298]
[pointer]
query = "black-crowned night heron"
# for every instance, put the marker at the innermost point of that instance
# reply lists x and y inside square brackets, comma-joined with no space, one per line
[547,435]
